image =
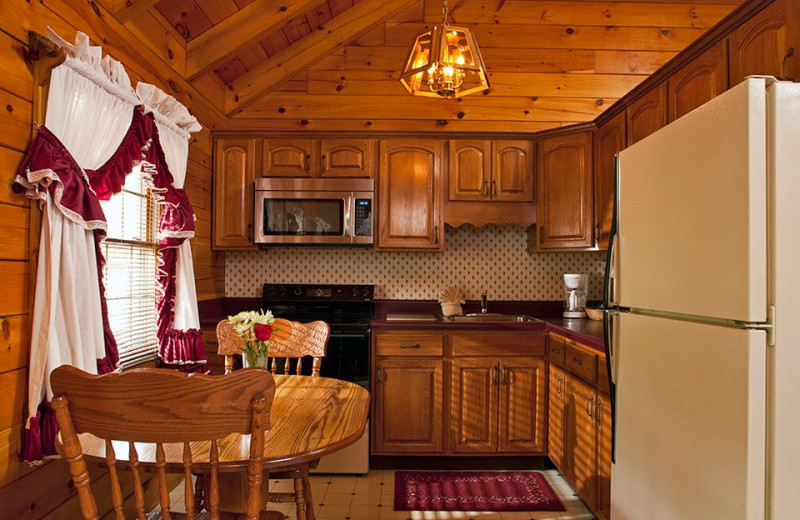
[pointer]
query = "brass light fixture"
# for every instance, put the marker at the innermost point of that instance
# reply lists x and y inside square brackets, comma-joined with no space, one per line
[445,62]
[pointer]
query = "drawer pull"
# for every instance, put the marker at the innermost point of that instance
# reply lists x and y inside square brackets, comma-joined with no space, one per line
[410,345]
[577,361]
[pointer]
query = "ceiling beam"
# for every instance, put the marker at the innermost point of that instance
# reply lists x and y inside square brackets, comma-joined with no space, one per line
[128,9]
[305,52]
[223,41]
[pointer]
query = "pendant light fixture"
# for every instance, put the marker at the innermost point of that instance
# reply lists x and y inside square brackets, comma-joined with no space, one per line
[445,62]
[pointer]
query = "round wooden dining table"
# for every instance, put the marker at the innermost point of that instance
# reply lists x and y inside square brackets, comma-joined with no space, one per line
[310,417]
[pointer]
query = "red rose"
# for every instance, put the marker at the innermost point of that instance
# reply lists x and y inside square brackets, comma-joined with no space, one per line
[262,332]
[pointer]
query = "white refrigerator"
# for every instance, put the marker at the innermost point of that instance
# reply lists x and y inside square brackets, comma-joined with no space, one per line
[703,327]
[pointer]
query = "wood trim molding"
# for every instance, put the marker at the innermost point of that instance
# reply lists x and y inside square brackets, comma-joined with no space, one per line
[223,41]
[340,31]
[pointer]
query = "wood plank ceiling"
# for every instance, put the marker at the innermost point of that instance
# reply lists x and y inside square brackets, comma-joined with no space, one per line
[334,64]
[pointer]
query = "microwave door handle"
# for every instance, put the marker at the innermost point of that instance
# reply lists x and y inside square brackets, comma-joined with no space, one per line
[349,215]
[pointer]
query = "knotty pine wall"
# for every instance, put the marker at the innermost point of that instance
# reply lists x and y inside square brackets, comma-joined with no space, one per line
[550,64]
[46,492]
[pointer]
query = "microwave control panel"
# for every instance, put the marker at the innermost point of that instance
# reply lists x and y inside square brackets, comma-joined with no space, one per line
[363,221]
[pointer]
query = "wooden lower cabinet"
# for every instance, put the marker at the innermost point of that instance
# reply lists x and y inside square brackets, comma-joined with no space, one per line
[603,478]
[474,391]
[522,413]
[555,416]
[580,439]
[408,405]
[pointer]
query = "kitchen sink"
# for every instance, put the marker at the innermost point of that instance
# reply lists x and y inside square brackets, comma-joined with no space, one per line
[490,318]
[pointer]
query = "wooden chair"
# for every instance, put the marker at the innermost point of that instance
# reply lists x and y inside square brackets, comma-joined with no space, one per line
[163,406]
[291,340]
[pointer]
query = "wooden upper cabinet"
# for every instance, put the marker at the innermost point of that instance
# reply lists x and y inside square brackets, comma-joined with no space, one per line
[647,114]
[522,428]
[289,158]
[482,170]
[609,139]
[512,171]
[564,192]
[697,82]
[234,185]
[410,195]
[766,44]
[407,407]
[346,157]
[470,170]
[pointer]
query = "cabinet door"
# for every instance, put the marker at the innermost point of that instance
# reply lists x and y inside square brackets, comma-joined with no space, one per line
[647,114]
[555,417]
[473,405]
[766,44]
[603,421]
[470,170]
[697,82]
[581,442]
[609,139]
[407,406]
[346,157]
[512,171]
[409,191]
[564,187]
[522,415]
[288,158]
[234,189]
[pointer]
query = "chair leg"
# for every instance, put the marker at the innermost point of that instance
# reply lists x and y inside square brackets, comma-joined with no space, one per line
[310,515]
[300,499]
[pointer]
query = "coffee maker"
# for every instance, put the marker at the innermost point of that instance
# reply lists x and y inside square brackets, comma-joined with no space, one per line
[576,287]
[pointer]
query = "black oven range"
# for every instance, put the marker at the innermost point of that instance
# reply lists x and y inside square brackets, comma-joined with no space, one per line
[348,310]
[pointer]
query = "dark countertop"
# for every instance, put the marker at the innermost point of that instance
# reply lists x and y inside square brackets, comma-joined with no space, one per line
[585,331]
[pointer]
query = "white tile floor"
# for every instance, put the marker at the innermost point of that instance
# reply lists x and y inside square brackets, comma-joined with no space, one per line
[371,497]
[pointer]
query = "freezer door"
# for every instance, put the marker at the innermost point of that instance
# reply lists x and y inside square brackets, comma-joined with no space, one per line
[692,212]
[690,421]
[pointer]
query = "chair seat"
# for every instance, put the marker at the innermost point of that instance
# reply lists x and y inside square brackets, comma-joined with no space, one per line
[205,515]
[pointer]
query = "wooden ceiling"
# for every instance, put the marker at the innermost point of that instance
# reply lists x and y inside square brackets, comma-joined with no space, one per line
[334,64]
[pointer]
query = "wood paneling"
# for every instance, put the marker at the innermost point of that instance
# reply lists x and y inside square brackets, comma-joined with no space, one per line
[14,342]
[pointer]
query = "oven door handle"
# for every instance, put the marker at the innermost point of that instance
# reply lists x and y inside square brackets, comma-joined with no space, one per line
[351,336]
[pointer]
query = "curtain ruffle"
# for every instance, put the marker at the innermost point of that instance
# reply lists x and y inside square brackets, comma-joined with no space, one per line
[38,439]
[182,347]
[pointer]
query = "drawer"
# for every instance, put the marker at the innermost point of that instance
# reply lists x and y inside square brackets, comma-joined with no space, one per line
[558,346]
[409,344]
[581,363]
[499,344]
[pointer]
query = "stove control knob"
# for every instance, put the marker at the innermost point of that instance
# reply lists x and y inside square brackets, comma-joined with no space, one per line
[298,291]
[354,292]
[366,291]
[270,292]
[282,291]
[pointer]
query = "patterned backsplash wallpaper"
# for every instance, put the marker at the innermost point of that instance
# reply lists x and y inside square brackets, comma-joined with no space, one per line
[491,258]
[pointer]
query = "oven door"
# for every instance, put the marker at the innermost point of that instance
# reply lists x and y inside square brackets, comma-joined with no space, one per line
[303,217]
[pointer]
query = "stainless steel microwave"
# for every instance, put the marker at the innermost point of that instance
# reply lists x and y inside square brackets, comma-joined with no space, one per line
[314,212]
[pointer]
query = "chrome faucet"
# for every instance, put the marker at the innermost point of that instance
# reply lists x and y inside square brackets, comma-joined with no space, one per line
[484,303]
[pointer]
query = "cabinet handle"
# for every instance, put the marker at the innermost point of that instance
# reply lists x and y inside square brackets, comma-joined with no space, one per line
[541,235]
[410,345]
[785,65]
[250,232]
[494,188]
[597,409]
[379,376]
[558,384]
[597,231]
[308,163]
[589,406]
[504,376]
[324,158]
[485,189]
[436,235]
[495,371]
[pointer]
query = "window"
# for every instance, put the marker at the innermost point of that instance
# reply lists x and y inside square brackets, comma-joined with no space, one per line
[131,252]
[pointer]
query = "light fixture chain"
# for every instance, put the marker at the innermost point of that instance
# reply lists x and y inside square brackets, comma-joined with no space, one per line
[444,12]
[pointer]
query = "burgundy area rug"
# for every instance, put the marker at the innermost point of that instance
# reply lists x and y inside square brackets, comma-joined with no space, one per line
[473,491]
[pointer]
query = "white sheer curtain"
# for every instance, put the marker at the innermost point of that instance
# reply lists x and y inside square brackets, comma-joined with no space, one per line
[175,126]
[89,110]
